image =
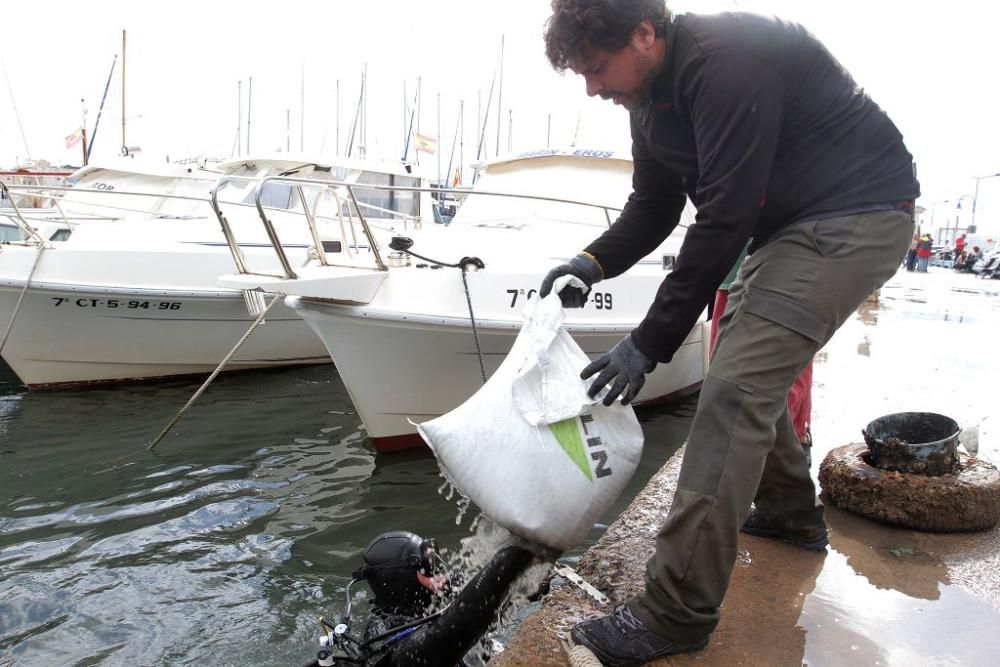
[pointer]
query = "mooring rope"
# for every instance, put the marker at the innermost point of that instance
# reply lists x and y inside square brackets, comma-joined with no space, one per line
[462,264]
[472,316]
[215,373]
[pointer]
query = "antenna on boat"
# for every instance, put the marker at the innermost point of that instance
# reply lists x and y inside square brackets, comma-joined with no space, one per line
[337,133]
[100,109]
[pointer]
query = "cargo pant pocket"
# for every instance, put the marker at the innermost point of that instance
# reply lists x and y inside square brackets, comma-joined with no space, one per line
[789,313]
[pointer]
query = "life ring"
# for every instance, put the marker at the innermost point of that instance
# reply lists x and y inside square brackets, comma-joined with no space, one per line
[963,501]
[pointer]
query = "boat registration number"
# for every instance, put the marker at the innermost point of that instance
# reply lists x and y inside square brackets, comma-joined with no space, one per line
[133,304]
[601,300]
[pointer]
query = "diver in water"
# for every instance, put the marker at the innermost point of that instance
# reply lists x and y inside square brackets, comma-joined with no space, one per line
[417,618]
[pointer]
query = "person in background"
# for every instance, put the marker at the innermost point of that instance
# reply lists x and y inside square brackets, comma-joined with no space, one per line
[969,259]
[960,245]
[911,254]
[775,144]
[924,247]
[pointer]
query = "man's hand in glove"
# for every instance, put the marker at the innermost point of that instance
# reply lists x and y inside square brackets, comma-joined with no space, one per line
[584,267]
[624,364]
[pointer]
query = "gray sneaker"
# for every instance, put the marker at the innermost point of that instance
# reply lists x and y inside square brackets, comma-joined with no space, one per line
[810,538]
[620,640]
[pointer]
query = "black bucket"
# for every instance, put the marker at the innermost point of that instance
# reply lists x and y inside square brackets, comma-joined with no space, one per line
[925,443]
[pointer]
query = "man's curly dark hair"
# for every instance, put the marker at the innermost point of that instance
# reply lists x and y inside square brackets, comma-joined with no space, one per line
[578,25]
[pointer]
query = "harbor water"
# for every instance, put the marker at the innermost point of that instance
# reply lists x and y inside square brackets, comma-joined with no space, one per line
[225,544]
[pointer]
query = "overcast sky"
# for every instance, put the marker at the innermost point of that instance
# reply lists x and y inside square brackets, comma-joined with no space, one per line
[933,71]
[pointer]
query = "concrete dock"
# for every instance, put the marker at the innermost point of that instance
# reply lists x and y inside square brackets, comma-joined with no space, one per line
[880,595]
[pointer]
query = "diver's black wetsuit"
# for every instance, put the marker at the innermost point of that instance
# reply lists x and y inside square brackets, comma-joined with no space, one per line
[445,640]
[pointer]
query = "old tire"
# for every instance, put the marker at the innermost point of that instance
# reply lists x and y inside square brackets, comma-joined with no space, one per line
[963,501]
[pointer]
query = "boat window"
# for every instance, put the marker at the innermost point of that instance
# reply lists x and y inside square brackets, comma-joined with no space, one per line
[276,195]
[375,203]
[60,235]
[407,203]
[371,200]
[10,233]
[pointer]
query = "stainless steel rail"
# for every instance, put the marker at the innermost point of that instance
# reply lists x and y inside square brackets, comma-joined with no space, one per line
[21,222]
[299,185]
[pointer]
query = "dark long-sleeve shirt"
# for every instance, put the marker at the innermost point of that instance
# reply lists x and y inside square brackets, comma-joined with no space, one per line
[754,120]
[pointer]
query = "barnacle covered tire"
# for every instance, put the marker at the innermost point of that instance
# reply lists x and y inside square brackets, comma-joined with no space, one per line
[963,501]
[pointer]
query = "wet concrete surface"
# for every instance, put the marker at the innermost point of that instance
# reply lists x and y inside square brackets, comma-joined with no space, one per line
[880,595]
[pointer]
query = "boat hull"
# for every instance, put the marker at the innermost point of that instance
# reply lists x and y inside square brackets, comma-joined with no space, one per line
[401,370]
[78,335]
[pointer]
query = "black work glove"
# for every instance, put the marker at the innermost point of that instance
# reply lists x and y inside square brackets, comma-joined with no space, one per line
[583,267]
[626,365]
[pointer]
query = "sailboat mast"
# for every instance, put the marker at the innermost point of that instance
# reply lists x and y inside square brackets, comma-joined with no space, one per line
[302,119]
[83,144]
[123,91]
[438,135]
[249,109]
[100,109]
[239,116]
[454,143]
[499,98]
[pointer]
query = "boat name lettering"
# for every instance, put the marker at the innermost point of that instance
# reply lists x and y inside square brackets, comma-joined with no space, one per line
[601,300]
[103,186]
[584,152]
[86,302]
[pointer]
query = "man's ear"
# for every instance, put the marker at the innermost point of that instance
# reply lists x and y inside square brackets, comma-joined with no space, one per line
[644,35]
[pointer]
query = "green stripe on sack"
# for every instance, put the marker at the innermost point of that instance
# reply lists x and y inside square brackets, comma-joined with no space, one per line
[568,436]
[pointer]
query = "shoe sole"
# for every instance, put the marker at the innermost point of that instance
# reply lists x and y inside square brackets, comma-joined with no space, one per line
[607,661]
[818,544]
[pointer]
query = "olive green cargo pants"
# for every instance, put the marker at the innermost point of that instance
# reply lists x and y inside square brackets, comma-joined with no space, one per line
[790,297]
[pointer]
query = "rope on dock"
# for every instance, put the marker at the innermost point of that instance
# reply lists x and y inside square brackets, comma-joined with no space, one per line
[215,373]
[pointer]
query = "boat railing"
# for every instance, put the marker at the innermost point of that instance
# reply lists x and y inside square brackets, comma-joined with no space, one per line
[356,207]
[342,192]
[18,218]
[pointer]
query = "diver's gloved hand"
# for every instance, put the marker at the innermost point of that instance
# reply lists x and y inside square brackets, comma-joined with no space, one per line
[584,267]
[626,365]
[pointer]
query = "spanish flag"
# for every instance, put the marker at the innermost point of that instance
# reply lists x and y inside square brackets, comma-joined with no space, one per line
[75,138]
[457,180]
[423,144]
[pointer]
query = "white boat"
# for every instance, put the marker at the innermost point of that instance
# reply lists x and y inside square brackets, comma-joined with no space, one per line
[121,282]
[402,338]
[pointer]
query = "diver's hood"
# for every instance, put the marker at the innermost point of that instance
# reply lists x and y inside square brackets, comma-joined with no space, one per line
[391,563]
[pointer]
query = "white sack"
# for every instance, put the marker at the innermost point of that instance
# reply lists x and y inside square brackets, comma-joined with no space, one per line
[530,448]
